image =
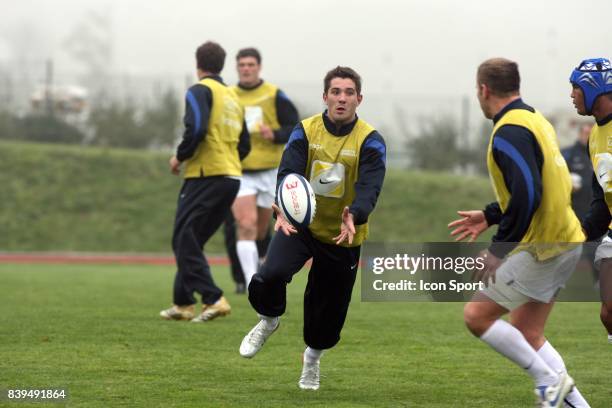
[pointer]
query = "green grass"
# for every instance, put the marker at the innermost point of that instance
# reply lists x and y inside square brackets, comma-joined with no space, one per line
[417,206]
[70,198]
[85,199]
[94,330]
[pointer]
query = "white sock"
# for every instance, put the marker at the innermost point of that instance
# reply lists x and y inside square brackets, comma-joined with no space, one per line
[247,253]
[510,342]
[610,338]
[555,361]
[312,355]
[270,322]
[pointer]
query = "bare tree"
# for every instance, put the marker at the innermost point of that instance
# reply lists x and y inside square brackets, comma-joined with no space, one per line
[90,43]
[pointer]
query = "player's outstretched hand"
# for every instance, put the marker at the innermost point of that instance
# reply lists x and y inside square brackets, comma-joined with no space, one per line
[347,228]
[472,224]
[281,222]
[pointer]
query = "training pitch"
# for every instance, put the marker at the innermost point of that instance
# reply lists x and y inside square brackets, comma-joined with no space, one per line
[94,330]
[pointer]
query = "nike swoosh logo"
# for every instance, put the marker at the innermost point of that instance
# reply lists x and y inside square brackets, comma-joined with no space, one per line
[326,181]
[354,266]
[603,174]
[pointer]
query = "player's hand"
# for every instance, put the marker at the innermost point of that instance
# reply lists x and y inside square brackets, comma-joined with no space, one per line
[266,132]
[175,166]
[347,228]
[487,273]
[472,224]
[281,222]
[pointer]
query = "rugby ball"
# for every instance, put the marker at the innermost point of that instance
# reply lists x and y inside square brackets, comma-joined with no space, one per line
[296,200]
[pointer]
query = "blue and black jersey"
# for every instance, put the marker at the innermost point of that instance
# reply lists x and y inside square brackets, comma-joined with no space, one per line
[372,165]
[520,159]
[198,104]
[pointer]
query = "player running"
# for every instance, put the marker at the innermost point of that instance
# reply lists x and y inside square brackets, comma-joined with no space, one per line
[532,184]
[592,95]
[270,118]
[343,157]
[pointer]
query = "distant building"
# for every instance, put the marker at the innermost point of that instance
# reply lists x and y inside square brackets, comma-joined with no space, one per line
[65,100]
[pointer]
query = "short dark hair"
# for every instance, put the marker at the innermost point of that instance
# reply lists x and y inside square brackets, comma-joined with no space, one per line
[249,52]
[342,72]
[500,75]
[210,57]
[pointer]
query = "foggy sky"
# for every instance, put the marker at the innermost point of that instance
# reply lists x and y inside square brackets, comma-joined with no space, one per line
[411,48]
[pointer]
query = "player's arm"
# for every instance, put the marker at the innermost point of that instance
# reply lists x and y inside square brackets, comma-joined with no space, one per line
[372,167]
[287,116]
[198,102]
[520,159]
[294,160]
[493,213]
[295,155]
[244,143]
[596,222]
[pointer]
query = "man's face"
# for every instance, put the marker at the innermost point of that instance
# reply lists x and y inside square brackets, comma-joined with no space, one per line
[578,98]
[342,100]
[248,71]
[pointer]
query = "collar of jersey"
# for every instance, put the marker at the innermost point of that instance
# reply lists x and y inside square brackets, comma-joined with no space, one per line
[605,120]
[336,130]
[215,77]
[250,88]
[515,104]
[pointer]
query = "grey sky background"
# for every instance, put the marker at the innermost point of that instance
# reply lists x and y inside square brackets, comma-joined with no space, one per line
[416,53]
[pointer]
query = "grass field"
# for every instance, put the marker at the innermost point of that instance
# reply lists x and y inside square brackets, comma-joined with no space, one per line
[72,198]
[95,331]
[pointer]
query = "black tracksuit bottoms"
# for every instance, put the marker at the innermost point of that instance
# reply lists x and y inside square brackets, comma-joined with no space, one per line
[328,292]
[229,234]
[202,206]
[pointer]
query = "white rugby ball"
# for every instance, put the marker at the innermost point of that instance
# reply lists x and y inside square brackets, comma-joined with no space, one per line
[296,200]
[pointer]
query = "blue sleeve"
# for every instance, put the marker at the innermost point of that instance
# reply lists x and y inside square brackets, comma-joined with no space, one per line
[295,155]
[519,157]
[287,116]
[372,168]
[597,220]
[198,103]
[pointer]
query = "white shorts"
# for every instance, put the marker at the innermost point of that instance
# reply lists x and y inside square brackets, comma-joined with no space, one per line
[604,250]
[522,278]
[261,184]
